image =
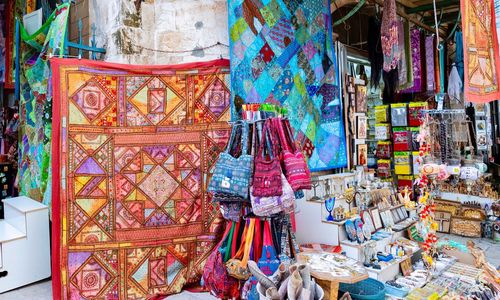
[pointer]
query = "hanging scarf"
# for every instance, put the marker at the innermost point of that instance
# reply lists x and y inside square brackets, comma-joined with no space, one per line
[416,62]
[390,48]
[389,36]
[459,54]
[429,63]
[375,51]
[455,85]
[402,70]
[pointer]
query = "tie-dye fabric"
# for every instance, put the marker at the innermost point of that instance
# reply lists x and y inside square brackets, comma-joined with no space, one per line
[35,107]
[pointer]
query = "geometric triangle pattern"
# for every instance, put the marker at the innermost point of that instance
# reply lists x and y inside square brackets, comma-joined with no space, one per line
[137,147]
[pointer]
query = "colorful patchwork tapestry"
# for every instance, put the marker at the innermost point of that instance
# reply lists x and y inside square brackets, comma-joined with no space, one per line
[481,55]
[132,147]
[282,53]
[35,130]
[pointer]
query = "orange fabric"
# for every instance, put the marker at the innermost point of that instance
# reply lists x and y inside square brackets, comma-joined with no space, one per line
[481,54]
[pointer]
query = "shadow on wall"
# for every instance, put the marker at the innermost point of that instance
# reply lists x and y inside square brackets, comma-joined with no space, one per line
[161,31]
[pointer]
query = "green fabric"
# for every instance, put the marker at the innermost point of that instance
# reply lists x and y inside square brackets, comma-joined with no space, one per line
[227,254]
[35,129]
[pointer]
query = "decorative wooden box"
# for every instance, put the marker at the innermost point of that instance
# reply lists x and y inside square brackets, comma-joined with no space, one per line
[466,226]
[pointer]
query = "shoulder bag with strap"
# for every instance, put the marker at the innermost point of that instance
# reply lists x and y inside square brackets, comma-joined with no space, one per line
[232,175]
[295,166]
[215,276]
[238,268]
[267,173]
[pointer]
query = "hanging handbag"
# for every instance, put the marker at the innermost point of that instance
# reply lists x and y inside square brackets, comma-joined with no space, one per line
[268,206]
[232,175]
[215,276]
[267,173]
[288,248]
[231,211]
[268,262]
[295,166]
[238,268]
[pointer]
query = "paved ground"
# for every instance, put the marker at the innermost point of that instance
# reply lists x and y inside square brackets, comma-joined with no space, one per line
[43,290]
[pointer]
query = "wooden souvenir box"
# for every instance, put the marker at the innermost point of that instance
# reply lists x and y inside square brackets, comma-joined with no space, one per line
[466,226]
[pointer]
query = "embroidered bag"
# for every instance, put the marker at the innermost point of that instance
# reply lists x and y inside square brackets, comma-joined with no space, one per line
[238,268]
[267,173]
[215,276]
[232,175]
[231,210]
[268,206]
[268,262]
[295,166]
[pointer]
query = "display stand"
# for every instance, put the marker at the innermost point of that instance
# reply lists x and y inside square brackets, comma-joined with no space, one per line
[388,271]
[330,283]
[24,243]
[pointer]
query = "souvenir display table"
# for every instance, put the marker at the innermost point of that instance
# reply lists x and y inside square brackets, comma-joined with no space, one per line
[331,269]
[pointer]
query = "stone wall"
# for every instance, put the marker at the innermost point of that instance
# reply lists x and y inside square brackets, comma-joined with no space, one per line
[131,30]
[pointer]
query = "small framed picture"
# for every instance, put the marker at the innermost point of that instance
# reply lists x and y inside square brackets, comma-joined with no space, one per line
[377,222]
[481,138]
[362,151]
[403,212]
[406,267]
[361,99]
[368,220]
[387,218]
[395,215]
[361,127]
[400,214]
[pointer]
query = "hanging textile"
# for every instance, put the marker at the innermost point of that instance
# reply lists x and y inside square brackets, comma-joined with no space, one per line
[416,45]
[403,71]
[389,36]
[3,14]
[459,55]
[375,54]
[15,9]
[35,106]
[455,85]
[497,20]
[390,48]
[133,147]
[282,53]
[429,63]
[481,51]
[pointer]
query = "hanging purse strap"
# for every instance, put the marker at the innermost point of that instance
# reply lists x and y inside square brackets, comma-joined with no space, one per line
[265,143]
[268,240]
[285,139]
[235,239]
[230,143]
[240,251]
[258,240]
[227,253]
[244,138]
[254,139]
[285,241]
[289,135]
[248,243]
